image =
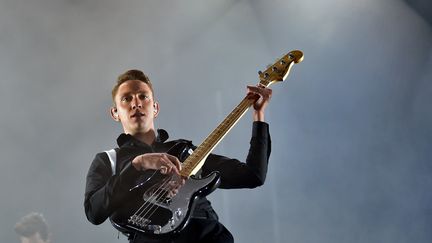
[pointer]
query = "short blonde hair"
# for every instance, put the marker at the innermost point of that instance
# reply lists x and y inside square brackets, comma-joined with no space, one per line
[133,74]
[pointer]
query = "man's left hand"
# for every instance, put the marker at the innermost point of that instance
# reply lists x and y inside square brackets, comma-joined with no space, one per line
[262,96]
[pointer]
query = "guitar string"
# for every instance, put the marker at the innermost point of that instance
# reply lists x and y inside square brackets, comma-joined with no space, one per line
[146,202]
[152,197]
[150,212]
[236,113]
[148,179]
[244,104]
[140,219]
[153,207]
[159,192]
[151,188]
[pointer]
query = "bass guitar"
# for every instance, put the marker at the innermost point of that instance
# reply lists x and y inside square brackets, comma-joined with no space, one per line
[153,211]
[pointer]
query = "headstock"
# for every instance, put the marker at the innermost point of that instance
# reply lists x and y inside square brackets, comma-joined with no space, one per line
[278,72]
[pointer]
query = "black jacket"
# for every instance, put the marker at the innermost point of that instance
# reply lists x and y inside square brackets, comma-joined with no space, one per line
[105,192]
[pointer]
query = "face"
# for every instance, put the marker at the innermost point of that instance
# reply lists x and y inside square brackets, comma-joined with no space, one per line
[135,107]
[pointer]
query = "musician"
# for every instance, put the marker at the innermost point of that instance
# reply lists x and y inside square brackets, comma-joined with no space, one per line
[142,148]
[33,228]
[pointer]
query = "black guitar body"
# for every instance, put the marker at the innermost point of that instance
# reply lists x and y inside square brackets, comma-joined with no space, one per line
[151,212]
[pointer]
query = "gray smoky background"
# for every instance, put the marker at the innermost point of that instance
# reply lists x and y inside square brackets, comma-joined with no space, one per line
[351,126]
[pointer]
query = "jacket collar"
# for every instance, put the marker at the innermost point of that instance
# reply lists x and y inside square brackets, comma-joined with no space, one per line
[123,139]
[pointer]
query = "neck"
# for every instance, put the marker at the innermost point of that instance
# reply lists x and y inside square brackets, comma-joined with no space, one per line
[146,137]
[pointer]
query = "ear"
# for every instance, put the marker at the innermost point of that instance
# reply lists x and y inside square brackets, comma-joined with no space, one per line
[155,109]
[114,114]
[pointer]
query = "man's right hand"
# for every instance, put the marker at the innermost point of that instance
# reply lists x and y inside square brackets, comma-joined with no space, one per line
[166,164]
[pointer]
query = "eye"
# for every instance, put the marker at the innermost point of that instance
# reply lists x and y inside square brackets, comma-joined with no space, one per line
[126,98]
[143,97]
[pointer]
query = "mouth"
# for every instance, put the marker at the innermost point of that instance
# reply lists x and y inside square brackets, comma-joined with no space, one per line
[137,114]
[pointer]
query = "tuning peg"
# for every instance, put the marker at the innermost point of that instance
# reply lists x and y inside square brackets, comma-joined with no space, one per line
[266,75]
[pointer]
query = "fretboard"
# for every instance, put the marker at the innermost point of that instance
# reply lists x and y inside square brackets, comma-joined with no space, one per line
[274,73]
[195,161]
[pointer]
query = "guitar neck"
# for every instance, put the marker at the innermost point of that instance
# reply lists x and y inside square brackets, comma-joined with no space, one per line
[274,73]
[195,161]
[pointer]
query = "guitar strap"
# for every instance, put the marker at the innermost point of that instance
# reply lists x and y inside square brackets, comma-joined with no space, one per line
[112,156]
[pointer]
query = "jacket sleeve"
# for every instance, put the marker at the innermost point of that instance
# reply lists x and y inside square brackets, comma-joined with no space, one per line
[236,174]
[104,192]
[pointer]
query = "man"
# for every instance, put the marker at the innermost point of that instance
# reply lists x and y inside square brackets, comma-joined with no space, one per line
[142,149]
[33,228]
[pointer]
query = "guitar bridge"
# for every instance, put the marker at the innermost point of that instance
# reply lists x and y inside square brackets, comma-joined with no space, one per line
[138,221]
[144,223]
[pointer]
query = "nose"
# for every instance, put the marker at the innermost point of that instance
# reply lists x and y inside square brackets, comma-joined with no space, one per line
[136,103]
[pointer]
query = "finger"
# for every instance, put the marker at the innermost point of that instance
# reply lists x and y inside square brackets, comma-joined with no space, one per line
[163,169]
[264,93]
[168,164]
[136,162]
[257,89]
[174,184]
[172,193]
[163,164]
[251,94]
[252,89]
[175,161]
[257,92]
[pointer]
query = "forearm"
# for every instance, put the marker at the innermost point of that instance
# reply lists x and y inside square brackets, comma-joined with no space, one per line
[252,173]
[97,207]
[258,116]
[259,151]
